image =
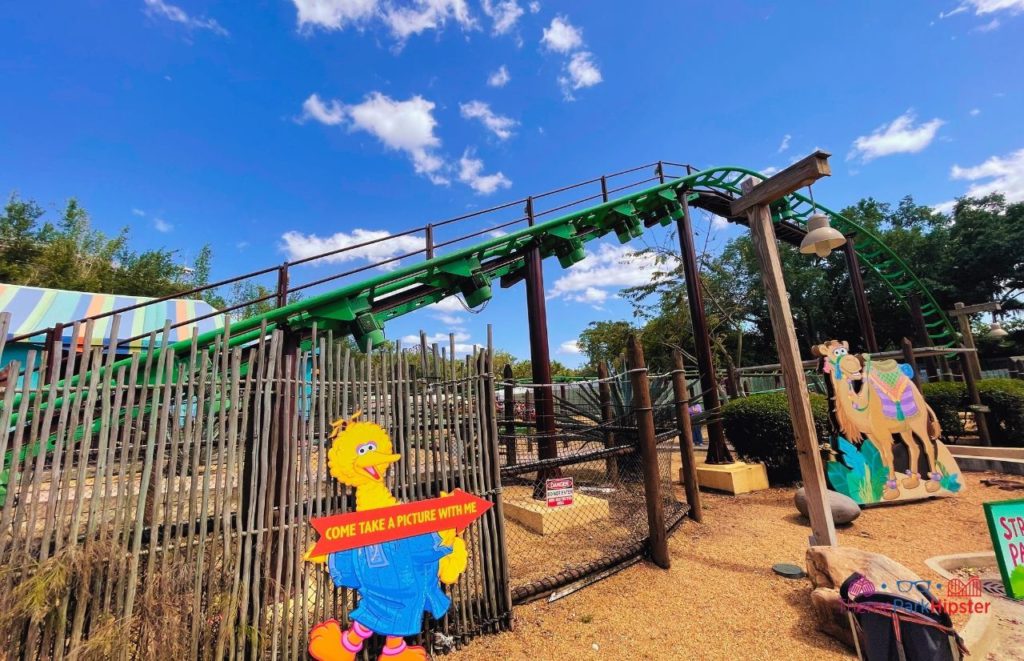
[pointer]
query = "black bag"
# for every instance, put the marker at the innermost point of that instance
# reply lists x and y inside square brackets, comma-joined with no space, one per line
[889,628]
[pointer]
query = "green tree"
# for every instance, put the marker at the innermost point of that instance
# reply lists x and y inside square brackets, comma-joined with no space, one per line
[604,341]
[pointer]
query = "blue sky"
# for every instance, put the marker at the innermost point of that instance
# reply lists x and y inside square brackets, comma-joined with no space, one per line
[271,128]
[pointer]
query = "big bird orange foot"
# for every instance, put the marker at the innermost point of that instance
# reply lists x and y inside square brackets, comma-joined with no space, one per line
[325,643]
[404,653]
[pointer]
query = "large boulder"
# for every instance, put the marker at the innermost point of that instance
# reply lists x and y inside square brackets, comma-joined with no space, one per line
[844,508]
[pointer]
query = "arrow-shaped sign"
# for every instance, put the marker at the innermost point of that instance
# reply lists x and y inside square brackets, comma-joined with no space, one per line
[341,532]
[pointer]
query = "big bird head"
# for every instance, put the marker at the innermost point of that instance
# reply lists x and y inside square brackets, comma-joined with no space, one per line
[360,452]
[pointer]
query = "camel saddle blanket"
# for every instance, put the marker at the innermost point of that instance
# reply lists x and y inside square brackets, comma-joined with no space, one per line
[895,393]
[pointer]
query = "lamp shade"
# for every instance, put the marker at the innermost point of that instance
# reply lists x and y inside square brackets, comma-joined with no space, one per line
[821,237]
[997,332]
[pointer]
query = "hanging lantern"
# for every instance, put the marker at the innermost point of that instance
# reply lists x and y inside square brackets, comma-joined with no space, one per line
[996,332]
[821,237]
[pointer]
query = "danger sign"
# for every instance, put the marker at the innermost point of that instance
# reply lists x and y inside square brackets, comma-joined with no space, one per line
[558,491]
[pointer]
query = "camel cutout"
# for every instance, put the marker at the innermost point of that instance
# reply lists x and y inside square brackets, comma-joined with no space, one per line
[877,400]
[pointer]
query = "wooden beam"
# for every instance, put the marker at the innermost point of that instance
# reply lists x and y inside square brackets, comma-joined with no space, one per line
[763,233]
[972,369]
[993,306]
[802,173]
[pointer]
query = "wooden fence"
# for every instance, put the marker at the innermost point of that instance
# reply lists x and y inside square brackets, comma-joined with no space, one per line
[160,509]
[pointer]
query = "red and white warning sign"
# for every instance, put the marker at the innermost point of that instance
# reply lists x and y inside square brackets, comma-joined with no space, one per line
[559,491]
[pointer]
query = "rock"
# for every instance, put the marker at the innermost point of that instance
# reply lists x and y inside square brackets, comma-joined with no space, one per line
[829,566]
[844,508]
[828,607]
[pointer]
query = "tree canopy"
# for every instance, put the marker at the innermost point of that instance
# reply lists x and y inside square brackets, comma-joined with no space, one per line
[974,254]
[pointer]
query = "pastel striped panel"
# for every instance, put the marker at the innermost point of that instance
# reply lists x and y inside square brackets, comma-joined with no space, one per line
[37,309]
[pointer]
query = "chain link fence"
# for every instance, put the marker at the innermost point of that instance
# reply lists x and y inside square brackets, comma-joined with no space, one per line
[575,501]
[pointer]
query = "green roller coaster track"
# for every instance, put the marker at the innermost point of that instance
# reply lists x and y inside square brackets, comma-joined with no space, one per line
[362,308]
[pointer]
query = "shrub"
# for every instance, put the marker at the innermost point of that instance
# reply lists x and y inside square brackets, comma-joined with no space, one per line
[947,399]
[760,429]
[1005,399]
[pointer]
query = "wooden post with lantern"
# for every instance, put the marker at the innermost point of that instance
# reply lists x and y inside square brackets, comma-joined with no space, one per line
[821,239]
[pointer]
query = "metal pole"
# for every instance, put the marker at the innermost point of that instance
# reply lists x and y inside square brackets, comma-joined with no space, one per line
[540,357]
[860,299]
[430,241]
[658,539]
[282,285]
[718,453]
[604,393]
[685,426]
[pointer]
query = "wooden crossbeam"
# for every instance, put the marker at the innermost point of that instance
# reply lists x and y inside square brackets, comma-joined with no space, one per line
[992,306]
[802,173]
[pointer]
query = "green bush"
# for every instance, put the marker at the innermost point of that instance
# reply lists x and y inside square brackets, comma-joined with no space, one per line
[1005,399]
[760,429]
[947,399]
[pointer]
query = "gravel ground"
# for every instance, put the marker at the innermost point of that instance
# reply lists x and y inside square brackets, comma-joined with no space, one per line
[720,599]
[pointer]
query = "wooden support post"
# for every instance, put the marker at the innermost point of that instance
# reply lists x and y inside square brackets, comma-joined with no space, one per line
[604,393]
[763,233]
[531,429]
[971,366]
[718,452]
[923,338]
[682,396]
[510,416]
[658,539]
[732,384]
[860,298]
[908,358]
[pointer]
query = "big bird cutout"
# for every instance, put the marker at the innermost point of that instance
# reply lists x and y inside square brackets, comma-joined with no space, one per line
[397,580]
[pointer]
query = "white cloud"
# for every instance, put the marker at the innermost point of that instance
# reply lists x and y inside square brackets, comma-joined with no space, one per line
[561,36]
[901,136]
[497,233]
[462,344]
[499,78]
[174,13]
[406,126]
[944,207]
[975,112]
[426,15]
[138,212]
[570,347]
[718,223]
[611,267]
[987,27]
[403,20]
[982,7]
[330,113]
[769,171]
[959,10]
[504,14]
[785,143]
[534,7]
[998,174]
[241,245]
[582,73]
[471,174]
[499,125]
[450,304]
[450,319]
[334,14]
[297,245]
[162,226]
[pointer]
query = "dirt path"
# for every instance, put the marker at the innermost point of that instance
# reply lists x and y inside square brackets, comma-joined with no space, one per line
[720,599]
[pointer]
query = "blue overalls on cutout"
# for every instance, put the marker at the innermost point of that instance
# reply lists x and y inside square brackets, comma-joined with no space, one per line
[397,581]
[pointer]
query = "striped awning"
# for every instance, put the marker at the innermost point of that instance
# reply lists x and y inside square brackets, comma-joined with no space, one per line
[34,308]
